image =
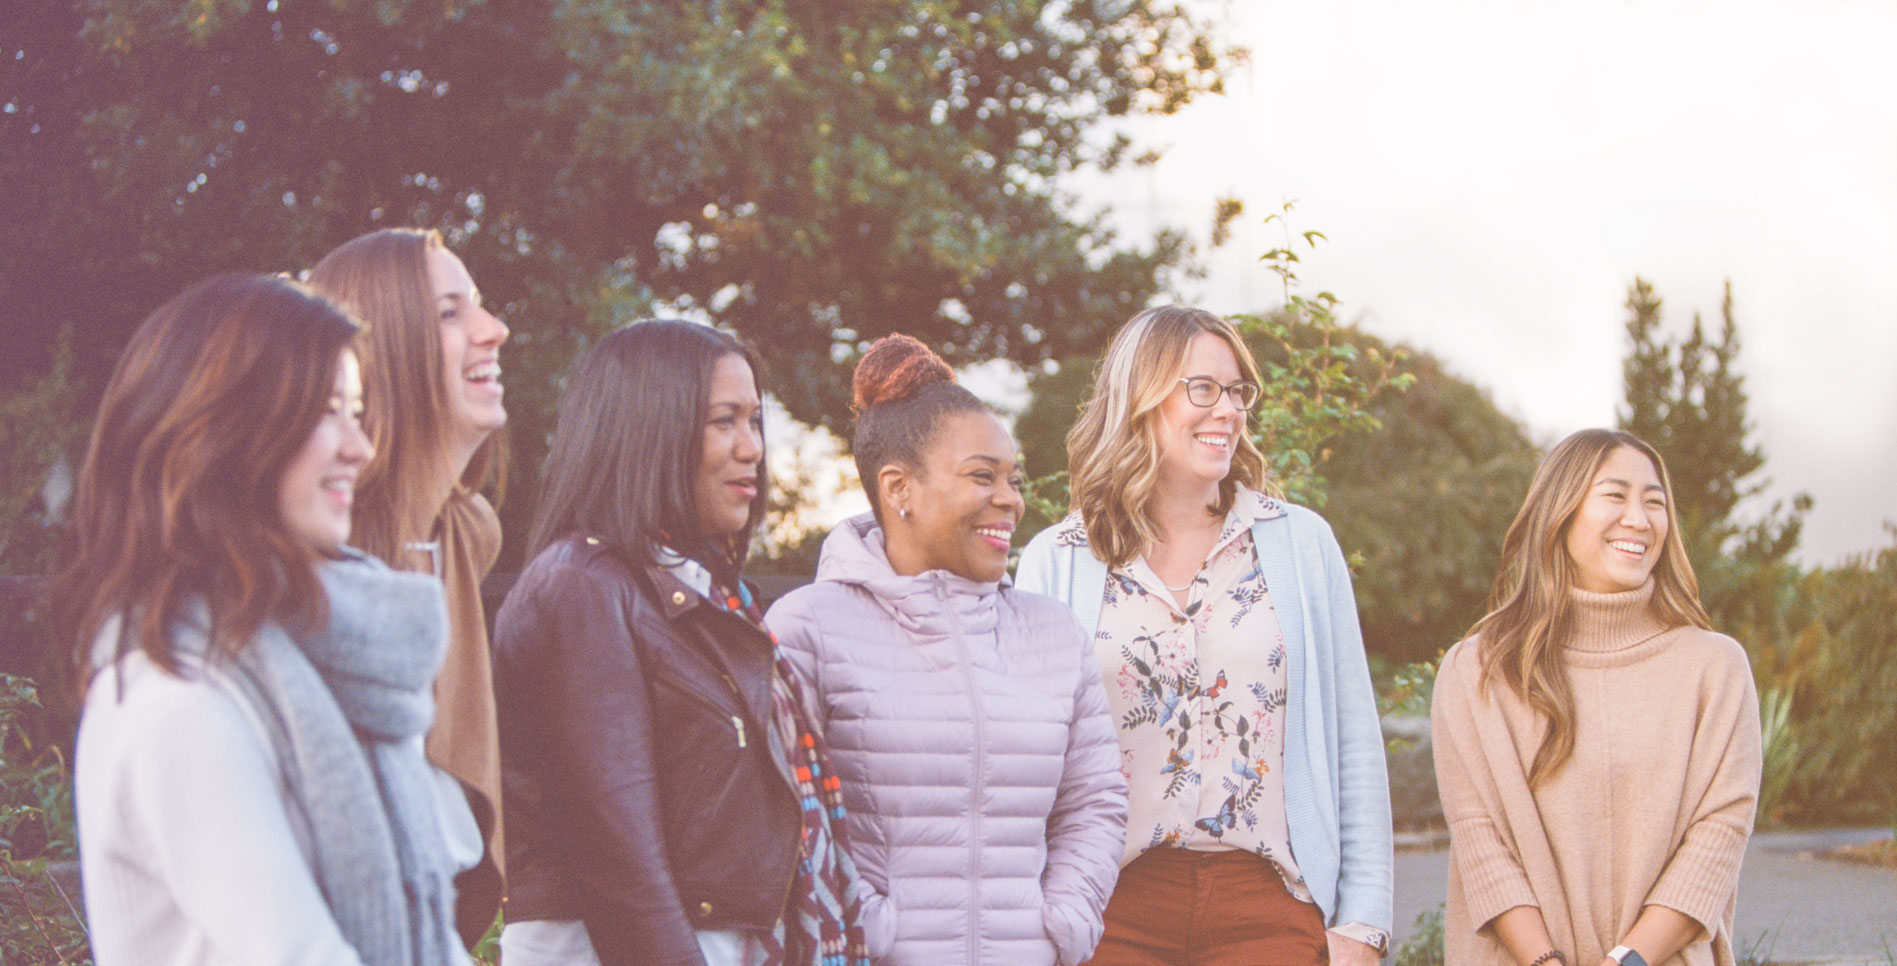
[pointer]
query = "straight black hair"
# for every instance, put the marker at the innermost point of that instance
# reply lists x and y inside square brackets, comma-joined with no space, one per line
[627,447]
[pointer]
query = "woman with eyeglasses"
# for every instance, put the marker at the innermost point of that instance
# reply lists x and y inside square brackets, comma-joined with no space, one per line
[1226,632]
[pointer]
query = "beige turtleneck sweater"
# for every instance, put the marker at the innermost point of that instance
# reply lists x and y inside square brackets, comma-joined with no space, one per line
[1654,807]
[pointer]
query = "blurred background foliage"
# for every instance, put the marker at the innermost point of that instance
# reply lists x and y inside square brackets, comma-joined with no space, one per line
[810,175]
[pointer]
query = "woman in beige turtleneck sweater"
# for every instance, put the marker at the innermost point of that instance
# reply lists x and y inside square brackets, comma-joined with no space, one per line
[1597,744]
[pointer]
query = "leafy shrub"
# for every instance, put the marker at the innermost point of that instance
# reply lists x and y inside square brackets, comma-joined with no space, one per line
[1424,947]
[39,918]
[1781,750]
[1838,664]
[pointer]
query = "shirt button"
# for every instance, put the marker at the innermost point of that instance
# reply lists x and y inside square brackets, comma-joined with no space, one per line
[704,910]
[678,597]
[592,541]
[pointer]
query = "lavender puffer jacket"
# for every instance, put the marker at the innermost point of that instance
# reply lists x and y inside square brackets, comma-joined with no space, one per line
[969,726]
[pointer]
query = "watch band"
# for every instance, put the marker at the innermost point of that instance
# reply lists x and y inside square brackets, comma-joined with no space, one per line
[1626,956]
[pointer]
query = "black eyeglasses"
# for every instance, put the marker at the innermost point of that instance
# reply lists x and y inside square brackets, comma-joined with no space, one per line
[1205,391]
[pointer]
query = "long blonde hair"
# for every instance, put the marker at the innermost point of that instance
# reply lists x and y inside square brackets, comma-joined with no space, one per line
[1530,608]
[382,278]
[1113,450]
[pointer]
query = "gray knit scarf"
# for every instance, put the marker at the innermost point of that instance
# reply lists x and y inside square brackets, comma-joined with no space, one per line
[346,710]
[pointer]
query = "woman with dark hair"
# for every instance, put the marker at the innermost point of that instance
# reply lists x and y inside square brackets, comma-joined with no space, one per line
[1223,621]
[668,798]
[966,718]
[250,781]
[431,365]
[1597,744]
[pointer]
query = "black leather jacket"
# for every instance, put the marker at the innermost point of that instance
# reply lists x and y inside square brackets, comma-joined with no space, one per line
[645,792]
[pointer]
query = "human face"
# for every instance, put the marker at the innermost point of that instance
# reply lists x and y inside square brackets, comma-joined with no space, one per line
[1615,537]
[319,485]
[962,503]
[732,460]
[1196,443]
[471,340]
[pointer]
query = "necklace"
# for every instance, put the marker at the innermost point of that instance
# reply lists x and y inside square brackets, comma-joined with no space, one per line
[1182,588]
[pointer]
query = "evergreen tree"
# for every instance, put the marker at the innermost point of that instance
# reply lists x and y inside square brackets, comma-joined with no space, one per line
[1688,399]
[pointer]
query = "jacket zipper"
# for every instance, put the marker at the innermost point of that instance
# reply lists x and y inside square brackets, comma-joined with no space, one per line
[737,722]
[976,785]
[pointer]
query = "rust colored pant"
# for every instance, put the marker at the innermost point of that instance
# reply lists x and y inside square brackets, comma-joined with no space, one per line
[1173,907]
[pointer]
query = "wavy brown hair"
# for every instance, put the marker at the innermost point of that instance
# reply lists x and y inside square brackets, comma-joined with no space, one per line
[1531,610]
[1113,450]
[382,278]
[178,498]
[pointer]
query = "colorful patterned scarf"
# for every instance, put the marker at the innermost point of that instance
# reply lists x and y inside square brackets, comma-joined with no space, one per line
[823,925]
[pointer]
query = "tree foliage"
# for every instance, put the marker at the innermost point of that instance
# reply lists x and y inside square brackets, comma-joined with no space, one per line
[810,174]
[1425,502]
[1688,399]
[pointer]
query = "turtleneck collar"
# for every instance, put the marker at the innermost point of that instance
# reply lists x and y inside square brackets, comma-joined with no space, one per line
[1611,624]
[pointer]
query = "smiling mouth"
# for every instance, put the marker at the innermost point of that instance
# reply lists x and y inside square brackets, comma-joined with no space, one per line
[998,537]
[1633,547]
[484,372]
[1218,441]
[340,488]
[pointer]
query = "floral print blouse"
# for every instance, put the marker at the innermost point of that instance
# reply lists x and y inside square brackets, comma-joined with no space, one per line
[1198,699]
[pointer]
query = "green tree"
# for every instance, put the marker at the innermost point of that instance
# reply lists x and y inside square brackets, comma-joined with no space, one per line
[1688,399]
[813,175]
[1424,503]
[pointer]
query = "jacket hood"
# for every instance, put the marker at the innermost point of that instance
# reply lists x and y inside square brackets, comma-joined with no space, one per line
[933,603]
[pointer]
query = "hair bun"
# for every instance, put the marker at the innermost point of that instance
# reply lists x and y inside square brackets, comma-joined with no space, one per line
[896,367]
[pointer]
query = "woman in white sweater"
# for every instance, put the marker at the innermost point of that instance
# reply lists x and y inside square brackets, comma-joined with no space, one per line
[250,781]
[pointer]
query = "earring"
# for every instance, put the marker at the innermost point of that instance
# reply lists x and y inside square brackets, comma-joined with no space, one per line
[903,513]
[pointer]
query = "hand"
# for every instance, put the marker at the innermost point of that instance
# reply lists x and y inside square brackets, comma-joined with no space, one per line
[1349,952]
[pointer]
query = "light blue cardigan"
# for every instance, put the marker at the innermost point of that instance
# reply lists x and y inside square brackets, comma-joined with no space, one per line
[1336,785]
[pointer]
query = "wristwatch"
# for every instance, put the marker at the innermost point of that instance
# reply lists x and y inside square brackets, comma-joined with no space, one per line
[1625,956]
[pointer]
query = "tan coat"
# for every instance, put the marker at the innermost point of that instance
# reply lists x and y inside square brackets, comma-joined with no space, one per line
[464,740]
[1654,808]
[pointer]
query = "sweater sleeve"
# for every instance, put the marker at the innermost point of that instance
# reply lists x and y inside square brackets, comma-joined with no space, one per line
[1702,876]
[1366,865]
[186,819]
[1489,872]
[1035,572]
[1087,830]
[600,726]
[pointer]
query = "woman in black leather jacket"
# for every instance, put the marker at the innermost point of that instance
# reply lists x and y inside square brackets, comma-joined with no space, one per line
[662,785]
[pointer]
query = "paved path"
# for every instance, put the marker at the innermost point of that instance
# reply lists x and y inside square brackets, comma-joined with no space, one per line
[1793,907]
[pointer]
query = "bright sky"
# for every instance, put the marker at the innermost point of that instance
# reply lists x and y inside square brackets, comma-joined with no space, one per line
[1492,176]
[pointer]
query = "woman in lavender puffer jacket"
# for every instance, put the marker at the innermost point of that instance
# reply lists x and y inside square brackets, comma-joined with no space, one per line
[966,719]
